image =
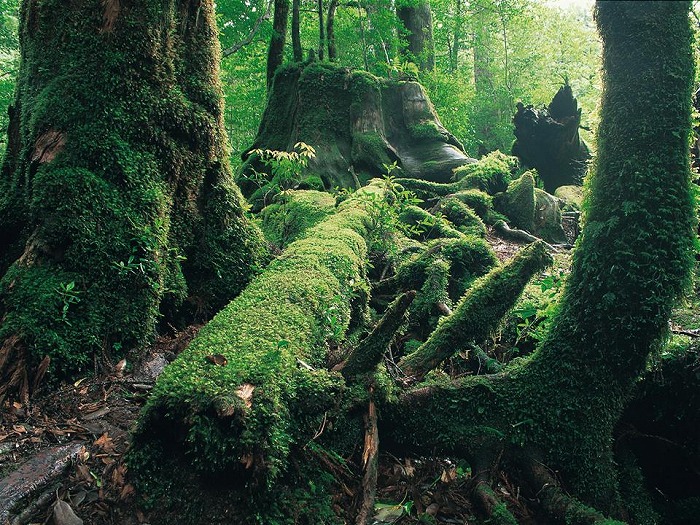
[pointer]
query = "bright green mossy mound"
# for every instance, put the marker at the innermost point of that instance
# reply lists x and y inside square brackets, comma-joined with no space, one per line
[491,174]
[293,213]
[462,217]
[225,418]
[518,203]
[116,197]
[479,311]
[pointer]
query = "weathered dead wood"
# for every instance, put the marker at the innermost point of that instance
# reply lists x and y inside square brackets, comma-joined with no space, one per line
[370,462]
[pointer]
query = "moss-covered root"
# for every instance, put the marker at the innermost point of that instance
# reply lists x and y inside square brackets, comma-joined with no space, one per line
[369,352]
[559,505]
[479,311]
[244,391]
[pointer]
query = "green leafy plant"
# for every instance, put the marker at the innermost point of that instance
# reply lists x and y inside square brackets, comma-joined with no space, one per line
[68,295]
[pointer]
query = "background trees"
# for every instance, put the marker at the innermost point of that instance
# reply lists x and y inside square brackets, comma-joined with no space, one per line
[488,55]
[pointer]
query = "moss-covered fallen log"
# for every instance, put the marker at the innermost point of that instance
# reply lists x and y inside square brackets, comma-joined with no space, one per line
[225,403]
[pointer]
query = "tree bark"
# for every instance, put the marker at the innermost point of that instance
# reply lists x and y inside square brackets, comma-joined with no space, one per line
[418,22]
[118,202]
[275,54]
[330,31]
[296,33]
[321,32]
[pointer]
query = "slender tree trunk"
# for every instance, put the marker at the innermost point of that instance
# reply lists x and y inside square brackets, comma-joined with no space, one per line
[275,53]
[296,33]
[330,31]
[456,37]
[321,32]
[418,21]
[117,197]
[362,34]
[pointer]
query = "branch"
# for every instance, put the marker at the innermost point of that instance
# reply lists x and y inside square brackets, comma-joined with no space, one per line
[478,312]
[519,235]
[369,352]
[247,40]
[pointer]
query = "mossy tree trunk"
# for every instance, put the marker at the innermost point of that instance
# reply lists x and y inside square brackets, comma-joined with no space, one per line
[117,202]
[631,264]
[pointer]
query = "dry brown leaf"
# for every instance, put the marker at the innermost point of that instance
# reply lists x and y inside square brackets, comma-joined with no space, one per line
[118,475]
[245,392]
[119,368]
[247,460]
[127,491]
[448,476]
[105,443]
[63,514]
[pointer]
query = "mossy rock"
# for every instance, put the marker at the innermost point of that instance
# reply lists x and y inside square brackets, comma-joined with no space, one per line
[518,203]
[572,196]
[548,218]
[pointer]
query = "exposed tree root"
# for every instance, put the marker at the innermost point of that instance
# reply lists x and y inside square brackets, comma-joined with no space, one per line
[515,234]
[478,312]
[558,504]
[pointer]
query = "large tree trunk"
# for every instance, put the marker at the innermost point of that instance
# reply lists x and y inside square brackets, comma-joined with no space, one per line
[418,22]
[117,198]
[566,400]
[330,30]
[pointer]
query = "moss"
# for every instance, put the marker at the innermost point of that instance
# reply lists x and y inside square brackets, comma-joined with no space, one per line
[370,153]
[500,515]
[293,213]
[426,225]
[119,182]
[426,130]
[491,173]
[571,195]
[479,311]
[462,217]
[518,203]
[479,201]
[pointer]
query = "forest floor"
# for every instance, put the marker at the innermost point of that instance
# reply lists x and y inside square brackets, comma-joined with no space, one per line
[80,431]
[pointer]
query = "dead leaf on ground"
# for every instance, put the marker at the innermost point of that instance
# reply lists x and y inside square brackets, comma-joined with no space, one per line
[63,514]
[105,443]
